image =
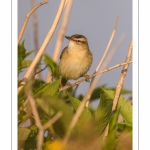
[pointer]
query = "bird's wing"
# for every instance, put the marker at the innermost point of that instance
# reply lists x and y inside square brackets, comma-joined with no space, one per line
[63,51]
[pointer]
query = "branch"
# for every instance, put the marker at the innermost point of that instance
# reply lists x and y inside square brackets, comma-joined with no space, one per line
[27,18]
[37,118]
[121,79]
[120,85]
[44,45]
[106,131]
[82,105]
[76,117]
[60,36]
[62,31]
[79,111]
[93,75]
[105,63]
[52,120]
[95,79]
[108,45]
[35,35]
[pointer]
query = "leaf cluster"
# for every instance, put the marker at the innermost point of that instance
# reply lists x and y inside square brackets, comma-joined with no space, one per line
[22,54]
[90,129]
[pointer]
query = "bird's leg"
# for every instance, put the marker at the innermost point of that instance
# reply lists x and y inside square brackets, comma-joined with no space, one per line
[68,83]
[87,78]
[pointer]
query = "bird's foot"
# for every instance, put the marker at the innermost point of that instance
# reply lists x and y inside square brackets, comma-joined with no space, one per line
[87,78]
[68,84]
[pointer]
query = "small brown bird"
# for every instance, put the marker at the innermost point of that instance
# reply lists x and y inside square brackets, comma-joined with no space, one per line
[75,59]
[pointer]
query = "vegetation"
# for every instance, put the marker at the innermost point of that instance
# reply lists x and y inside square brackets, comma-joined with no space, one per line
[54,118]
[90,128]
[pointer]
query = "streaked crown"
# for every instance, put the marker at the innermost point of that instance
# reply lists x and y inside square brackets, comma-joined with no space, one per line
[78,39]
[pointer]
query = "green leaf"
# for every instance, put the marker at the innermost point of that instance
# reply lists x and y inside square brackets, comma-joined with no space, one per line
[28,53]
[34,131]
[126,107]
[50,89]
[97,91]
[38,83]
[53,66]
[21,116]
[103,113]
[111,138]
[21,51]
[76,103]
[51,106]
[123,91]
[26,63]
[21,57]
[124,126]
[23,133]
[45,106]
[31,142]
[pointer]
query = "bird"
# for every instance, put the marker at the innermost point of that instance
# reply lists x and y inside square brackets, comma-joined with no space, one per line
[75,59]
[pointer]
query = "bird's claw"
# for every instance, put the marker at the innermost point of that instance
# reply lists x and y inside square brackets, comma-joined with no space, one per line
[87,78]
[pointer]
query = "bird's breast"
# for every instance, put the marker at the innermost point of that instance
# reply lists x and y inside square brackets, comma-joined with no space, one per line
[75,64]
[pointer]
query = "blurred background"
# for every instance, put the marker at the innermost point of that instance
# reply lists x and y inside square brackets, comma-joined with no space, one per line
[93,19]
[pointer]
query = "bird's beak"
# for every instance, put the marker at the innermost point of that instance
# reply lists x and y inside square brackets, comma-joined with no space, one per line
[67,37]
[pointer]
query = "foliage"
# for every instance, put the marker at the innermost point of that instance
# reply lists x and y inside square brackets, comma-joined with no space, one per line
[22,54]
[89,130]
[51,64]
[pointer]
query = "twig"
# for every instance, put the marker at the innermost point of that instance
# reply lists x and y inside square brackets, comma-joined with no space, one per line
[37,118]
[94,81]
[29,114]
[35,28]
[109,57]
[108,45]
[76,117]
[93,75]
[120,85]
[35,33]
[44,45]
[52,120]
[23,106]
[60,36]
[121,79]
[79,111]
[106,131]
[49,77]
[27,18]
[34,109]
[62,31]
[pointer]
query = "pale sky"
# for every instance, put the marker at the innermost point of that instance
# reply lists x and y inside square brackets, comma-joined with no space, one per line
[94,19]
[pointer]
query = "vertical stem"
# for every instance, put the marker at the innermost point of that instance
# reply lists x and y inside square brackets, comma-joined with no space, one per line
[44,45]
[121,79]
[35,31]
[27,18]
[60,36]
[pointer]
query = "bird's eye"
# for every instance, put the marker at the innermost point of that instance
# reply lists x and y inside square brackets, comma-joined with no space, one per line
[78,41]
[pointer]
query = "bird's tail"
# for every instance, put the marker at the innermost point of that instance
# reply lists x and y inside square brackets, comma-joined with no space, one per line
[63,82]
